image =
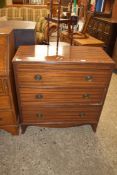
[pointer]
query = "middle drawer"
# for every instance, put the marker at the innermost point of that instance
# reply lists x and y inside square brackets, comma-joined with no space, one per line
[61,95]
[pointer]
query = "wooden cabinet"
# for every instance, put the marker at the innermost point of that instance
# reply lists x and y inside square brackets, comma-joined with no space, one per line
[8,104]
[12,35]
[67,89]
[104,29]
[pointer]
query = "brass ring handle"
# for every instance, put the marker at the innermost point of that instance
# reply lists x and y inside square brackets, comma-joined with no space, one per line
[86,96]
[37,77]
[88,78]
[38,96]
[81,114]
[39,115]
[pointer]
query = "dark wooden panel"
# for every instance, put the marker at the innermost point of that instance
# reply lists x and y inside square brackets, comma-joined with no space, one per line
[24,37]
[104,29]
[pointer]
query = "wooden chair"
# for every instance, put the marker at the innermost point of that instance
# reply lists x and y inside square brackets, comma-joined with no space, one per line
[82,38]
[65,35]
[83,33]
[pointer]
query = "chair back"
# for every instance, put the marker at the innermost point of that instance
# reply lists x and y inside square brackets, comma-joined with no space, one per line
[87,20]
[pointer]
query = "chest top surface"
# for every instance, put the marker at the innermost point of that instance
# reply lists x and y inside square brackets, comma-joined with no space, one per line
[12,24]
[65,54]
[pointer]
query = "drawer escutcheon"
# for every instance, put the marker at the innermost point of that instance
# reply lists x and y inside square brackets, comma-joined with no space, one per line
[86,96]
[37,77]
[39,115]
[38,96]
[89,78]
[82,114]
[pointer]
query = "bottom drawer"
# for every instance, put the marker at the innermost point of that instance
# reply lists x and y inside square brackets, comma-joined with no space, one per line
[61,114]
[6,118]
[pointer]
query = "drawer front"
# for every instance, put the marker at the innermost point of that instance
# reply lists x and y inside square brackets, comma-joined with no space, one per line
[60,114]
[3,40]
[61,95]
[6,118]
[1,87]
[64,78]
[4,102]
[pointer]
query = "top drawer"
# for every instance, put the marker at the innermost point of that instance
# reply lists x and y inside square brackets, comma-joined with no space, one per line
[63,78]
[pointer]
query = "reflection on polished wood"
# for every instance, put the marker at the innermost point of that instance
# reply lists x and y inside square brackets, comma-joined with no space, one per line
[66,54]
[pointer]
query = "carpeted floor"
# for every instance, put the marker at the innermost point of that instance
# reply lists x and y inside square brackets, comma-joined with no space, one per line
[68,151]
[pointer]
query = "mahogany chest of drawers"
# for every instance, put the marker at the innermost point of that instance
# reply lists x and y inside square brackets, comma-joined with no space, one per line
[8,103]
[61,88]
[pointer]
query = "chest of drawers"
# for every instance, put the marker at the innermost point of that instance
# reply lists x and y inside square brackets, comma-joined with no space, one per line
[67,89]
[8,103]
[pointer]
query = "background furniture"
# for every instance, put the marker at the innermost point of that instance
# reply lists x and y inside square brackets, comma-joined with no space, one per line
[28,2]
[70,20]
[64,89]
[2,3]
[82,38]
[17,1]
[24,13]
[37,6]
[89,41]
[104,8]
[10,39]
[24,32]
[31,14]
[104,29]
[8,102]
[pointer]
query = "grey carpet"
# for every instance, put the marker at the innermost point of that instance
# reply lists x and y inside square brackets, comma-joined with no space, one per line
[67,151]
